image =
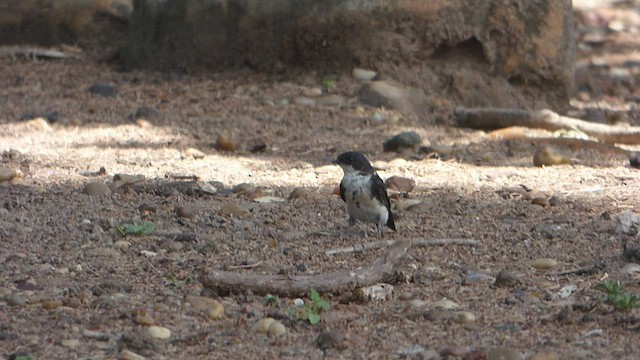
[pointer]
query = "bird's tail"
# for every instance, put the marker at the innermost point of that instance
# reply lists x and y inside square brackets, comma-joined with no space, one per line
[390,222]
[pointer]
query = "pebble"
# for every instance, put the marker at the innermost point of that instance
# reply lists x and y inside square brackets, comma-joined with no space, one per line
[332,100]
[16,299]
[548,156]
[225,143]
[557,199]
[540,201]
[130,355]
[445,304]
[377,117]
[242,188]
[304,101]
[477,278]
[145,320]
[7,174]
[185,212]
[194,153]
[407,139]
[330,340]
[232,209]
[121,245]
[216,312]
[300,193]
[544,263]
[276,328]
[159,332]
[96,189]
[312,92]
[464,317]
[504,353]
[103,89]
[400,183]
[70,343]
[506,279]
[363,74]
[262,325]
[632,270]
[405,295]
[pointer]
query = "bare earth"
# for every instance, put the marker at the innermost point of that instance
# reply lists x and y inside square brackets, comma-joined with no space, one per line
[73,287]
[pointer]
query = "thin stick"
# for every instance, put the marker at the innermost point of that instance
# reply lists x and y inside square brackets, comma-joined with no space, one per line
[248,266]
[415,242]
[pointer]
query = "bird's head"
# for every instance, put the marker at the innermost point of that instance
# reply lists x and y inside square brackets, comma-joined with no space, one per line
[354,161]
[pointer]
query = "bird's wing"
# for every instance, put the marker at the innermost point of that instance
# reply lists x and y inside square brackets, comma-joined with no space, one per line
[379,191]
[343,190]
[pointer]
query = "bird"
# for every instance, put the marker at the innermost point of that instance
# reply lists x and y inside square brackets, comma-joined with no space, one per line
[364,192]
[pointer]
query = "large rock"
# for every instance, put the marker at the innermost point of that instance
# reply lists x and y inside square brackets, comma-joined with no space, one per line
[473,53]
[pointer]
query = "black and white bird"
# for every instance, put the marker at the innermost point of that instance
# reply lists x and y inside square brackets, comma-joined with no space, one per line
[364,192]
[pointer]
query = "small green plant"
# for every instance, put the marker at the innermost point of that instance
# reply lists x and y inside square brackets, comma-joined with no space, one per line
[146,228]
[271,300]
[311,311]
[328,83]
[616,296]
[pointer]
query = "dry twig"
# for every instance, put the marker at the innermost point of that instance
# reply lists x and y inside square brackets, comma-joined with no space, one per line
[492,118]
[298,285]
[416,242]
[31,52]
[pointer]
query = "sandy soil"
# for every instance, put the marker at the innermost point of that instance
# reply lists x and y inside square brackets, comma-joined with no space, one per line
[74,287]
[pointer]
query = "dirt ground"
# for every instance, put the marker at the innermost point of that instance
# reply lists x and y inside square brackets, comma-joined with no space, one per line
[73,286]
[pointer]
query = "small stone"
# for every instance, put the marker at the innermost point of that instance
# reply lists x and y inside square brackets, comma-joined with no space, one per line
[242,188]
[556,199]
[269,199]
[477,278]
[377,117]
[401,141]
[276,328]
[544,263]
[464,317]
[504,353]
[401,184]
[506,279]
[105,90]
[632,270]
[417,303]
[548,156]
[144,123]
[96,189]
[148,208]
[312,92]
[16,299]
[540,201]
[145,320]
[439,315]
[332,100]
[7,174]
[216,311]
[121,245]
[262,325]
[185,212]
[330,340]
[70,343]
[232,209]
[405,295]
[225,143]
[130,355]
[304,101]
[159,332]
[445,304]
[634,159]
[194,153]
[363,74]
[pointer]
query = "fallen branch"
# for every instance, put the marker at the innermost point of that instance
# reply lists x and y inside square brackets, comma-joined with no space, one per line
[298,285]
[384,243]
[492,118]
[31,52]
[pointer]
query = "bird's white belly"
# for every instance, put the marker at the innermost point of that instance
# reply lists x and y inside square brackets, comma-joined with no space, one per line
[360,205]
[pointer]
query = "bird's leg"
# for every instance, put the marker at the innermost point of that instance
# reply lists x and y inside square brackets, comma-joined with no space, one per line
[379,230]
[350,223]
